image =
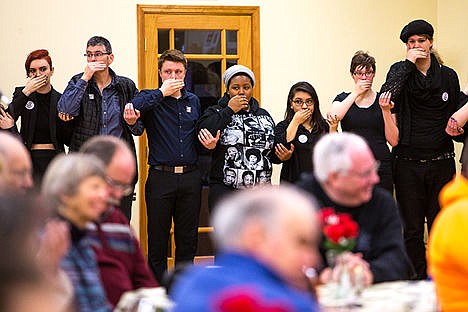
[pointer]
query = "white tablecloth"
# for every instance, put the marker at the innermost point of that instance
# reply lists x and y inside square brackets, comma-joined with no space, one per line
[401,296]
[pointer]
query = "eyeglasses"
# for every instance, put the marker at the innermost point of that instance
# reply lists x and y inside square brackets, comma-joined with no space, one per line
[369,172]
[363,74]
[96,54]
[126,189]
[299,102]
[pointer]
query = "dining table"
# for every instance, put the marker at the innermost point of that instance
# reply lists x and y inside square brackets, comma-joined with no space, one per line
[397,296]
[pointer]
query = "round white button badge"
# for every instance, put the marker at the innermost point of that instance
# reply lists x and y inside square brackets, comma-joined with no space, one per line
[302,138]
[29,105]
[445,96]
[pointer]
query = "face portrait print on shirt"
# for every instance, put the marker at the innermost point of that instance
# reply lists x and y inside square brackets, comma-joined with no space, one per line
[248,140]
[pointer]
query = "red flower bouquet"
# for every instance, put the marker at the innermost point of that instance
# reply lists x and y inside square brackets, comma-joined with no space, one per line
[339,229]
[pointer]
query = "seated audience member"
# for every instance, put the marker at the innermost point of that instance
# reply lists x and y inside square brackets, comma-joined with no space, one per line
[344,179]
[17,171]
[266,238]
[120,260]
[16,179]
[24,278]
[447,249]
[75,187]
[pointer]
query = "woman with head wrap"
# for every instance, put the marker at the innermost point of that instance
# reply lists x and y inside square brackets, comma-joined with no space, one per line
[238,115]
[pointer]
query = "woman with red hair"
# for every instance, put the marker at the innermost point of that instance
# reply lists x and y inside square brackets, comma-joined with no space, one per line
[43,133]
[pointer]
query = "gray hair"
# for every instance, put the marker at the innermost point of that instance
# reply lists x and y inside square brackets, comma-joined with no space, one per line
[98,40]
[332,153]
[66,172]
[264,205]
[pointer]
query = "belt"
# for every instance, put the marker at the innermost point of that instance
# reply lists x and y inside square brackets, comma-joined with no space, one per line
[43,146]
[175,169]
[440,157]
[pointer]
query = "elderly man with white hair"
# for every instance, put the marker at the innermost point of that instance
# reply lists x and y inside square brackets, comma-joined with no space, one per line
[266,238]
[344,179]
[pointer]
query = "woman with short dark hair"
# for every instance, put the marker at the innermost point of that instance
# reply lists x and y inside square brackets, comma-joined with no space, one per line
[367,113]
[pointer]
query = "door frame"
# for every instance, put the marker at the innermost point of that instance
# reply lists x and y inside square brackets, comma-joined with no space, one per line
[144,11]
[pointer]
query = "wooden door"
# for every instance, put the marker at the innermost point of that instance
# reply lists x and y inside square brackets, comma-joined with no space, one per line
[212,39]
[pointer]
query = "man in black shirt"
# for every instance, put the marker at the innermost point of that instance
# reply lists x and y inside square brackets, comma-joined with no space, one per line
[173,188]
[344,179]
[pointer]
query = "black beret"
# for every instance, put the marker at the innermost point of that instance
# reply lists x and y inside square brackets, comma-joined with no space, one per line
[417,27]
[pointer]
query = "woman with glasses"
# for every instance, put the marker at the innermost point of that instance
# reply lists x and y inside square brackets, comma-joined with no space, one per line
[301,128]
[43,133]
[367,113]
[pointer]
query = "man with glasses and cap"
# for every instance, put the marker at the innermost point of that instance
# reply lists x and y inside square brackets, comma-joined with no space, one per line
[96,100]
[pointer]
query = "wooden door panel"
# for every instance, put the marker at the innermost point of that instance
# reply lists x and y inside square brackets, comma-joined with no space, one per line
[151,18]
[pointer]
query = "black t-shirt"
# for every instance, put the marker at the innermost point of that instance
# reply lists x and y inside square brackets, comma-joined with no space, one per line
[367,122]
[42,129]
[304,143]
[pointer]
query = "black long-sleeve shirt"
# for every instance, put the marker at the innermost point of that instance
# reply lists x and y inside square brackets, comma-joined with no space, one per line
[380,238]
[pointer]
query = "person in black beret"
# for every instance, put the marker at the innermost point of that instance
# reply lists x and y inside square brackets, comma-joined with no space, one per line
[425,94]
[416,27]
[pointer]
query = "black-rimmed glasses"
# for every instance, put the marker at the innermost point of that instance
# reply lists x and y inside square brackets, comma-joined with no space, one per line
[96,54]
[299,102]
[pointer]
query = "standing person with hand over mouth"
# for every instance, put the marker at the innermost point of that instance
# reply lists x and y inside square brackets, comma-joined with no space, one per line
[173,187]
[96,99]
[238,115]
[43,133]
[367,113]
[426,94]
[302,127]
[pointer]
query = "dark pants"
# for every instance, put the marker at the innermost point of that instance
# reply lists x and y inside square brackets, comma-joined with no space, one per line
[417,187]
[217,192]
[40,161]
[172,196]
[386,175]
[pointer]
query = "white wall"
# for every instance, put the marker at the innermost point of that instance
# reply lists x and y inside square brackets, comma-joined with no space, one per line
[300,39]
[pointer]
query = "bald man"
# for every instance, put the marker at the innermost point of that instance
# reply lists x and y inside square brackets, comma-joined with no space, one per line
[16,172]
